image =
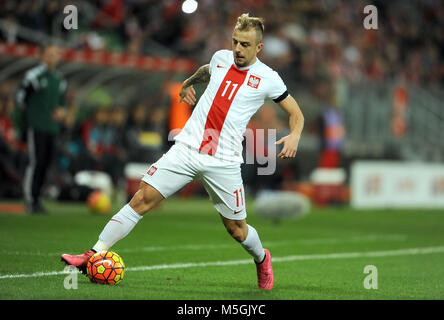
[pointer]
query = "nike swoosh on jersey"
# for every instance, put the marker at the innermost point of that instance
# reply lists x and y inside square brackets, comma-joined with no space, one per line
[235,212]
[219,66]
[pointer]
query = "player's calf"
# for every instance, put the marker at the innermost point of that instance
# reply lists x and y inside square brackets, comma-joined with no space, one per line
[238,229]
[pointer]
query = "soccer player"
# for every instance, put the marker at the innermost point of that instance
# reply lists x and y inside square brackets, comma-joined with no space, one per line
[209,147]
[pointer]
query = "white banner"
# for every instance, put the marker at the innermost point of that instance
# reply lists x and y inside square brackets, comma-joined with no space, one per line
[392,184]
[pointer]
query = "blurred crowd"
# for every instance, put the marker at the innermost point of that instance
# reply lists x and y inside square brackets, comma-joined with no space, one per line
[304,39]
[98,138]
[108,138]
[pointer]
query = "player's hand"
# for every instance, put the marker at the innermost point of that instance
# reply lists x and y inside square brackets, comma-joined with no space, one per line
[290,146]
[188,94]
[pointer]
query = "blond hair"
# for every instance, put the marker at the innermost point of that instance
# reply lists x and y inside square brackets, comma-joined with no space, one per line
[245,22]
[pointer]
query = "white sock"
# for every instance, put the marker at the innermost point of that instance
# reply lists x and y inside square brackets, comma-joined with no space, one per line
[253,245]
[117,228]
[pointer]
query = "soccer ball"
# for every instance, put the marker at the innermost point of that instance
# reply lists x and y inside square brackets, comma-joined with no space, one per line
[99,202]
[106,267]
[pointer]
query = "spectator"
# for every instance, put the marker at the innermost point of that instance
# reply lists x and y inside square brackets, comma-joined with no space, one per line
[12,151]
[331,128]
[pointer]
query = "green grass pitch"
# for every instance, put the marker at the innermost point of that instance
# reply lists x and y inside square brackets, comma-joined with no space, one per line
[182,251]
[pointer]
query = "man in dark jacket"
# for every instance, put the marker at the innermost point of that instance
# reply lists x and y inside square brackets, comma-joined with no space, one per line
[41,99]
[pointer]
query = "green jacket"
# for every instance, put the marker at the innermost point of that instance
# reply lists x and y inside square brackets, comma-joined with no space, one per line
[39,94]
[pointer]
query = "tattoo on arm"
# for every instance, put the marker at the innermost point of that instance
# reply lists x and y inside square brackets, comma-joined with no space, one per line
[202,75]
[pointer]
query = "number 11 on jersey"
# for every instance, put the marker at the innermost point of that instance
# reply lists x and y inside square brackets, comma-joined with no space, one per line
[228,82]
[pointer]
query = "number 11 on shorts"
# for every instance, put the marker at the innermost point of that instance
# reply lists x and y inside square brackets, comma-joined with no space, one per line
[238,194]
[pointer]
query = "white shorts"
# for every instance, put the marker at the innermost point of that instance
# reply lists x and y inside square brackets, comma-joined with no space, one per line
[221,179]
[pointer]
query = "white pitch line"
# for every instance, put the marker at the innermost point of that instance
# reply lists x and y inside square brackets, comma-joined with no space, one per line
[151,248]
[33,275]
[343,255]
[367,238]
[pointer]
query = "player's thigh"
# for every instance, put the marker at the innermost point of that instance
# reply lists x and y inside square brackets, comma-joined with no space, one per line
[226,190]
[171,172]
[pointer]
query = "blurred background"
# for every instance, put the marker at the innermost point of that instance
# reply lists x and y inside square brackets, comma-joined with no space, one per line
[372,99]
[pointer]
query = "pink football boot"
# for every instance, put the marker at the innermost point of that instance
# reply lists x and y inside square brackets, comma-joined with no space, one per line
[79,261]
[264,270]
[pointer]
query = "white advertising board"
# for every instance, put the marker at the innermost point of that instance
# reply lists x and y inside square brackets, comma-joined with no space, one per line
[390,184]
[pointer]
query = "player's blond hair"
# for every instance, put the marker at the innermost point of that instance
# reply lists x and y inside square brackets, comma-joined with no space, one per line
[245,22]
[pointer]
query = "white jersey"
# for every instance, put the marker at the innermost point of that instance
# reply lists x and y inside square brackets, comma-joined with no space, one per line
[232,97]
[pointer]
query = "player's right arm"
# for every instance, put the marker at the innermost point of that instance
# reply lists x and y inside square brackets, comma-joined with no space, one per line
[187,92]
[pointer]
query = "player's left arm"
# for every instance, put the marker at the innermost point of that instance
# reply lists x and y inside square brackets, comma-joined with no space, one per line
[296,123]
[187,92]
